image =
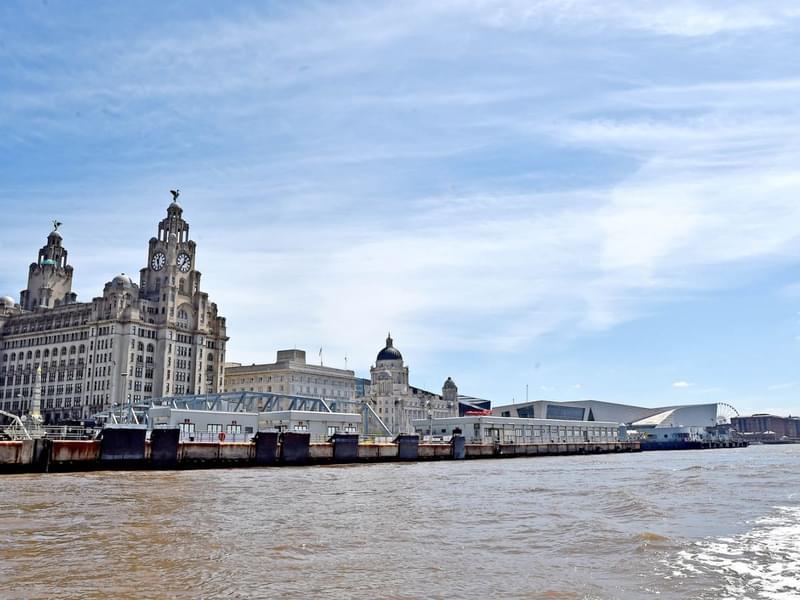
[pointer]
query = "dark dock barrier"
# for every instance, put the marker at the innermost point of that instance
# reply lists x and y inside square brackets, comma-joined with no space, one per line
[267,447]
[295,448]
[459,447]
[164,445]
[407,447]
[345,447]
[123,447]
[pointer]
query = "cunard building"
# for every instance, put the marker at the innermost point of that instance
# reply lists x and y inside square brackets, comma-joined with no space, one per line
[160,337]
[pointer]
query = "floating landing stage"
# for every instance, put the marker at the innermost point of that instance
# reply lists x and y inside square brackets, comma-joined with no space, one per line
[129,449]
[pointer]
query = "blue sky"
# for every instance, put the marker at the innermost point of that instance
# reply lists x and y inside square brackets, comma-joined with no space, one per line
[594,199]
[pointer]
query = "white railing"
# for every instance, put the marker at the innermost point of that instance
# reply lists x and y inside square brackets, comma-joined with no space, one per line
[210,436]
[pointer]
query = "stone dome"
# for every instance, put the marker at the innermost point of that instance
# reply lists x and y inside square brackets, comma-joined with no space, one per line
[6,302]
[449,384]
[122,280]
[389,352]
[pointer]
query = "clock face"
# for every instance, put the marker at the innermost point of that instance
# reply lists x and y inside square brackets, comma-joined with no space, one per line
[158,261]
[184,262]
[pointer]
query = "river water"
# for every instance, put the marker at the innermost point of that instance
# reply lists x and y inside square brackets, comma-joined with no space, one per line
[693,524]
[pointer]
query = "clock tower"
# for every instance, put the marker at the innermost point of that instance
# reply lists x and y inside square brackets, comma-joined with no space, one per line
[192,334]
[170,276]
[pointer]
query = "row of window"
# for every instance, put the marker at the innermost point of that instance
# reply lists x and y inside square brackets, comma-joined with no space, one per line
[74,336]
[296,378]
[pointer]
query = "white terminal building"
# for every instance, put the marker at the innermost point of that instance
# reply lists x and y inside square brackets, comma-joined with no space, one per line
[207,425]
[511,430]
[663,424]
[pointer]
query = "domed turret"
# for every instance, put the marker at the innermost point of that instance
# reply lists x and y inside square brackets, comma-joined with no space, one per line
[450,393]
[122,280]
[50,277]
[389,352]
[6,302]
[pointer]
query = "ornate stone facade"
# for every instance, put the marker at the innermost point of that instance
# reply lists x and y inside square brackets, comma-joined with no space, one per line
[396,402]
[160,337]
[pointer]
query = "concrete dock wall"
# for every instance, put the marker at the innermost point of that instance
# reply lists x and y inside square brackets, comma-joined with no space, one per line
[16,452]
[129,450]
[74,452]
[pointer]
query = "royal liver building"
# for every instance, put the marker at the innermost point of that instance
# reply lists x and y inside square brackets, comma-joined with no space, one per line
[158,338]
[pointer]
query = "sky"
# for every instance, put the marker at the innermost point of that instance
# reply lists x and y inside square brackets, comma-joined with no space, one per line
[551,199]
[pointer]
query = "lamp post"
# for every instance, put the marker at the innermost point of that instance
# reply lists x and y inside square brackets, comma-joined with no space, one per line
[122,377]
[429,406]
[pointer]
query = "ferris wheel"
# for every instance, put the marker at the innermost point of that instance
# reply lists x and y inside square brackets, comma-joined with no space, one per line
[725,412]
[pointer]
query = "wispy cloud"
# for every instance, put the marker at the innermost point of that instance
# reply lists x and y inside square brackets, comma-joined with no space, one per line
[685,18]
[681,384]
[782,386]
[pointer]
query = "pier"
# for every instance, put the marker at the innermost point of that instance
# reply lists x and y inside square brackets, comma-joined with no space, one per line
[130,449]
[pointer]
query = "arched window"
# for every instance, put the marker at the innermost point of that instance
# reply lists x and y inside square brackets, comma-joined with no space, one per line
[30,355]
[150,348]
[46,353]
[38,354]
[72,350]
[13,356]
[140,347]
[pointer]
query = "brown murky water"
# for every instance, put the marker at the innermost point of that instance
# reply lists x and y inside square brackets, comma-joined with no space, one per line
[700,524]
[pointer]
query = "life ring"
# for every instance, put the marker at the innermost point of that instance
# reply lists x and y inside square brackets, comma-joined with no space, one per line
[221,436]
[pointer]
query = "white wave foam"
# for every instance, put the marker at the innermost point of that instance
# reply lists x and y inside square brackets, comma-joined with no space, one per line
[763,563]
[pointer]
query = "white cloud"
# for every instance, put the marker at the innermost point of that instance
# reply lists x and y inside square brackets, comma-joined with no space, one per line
[687,18]
[681,384]
[782,386]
